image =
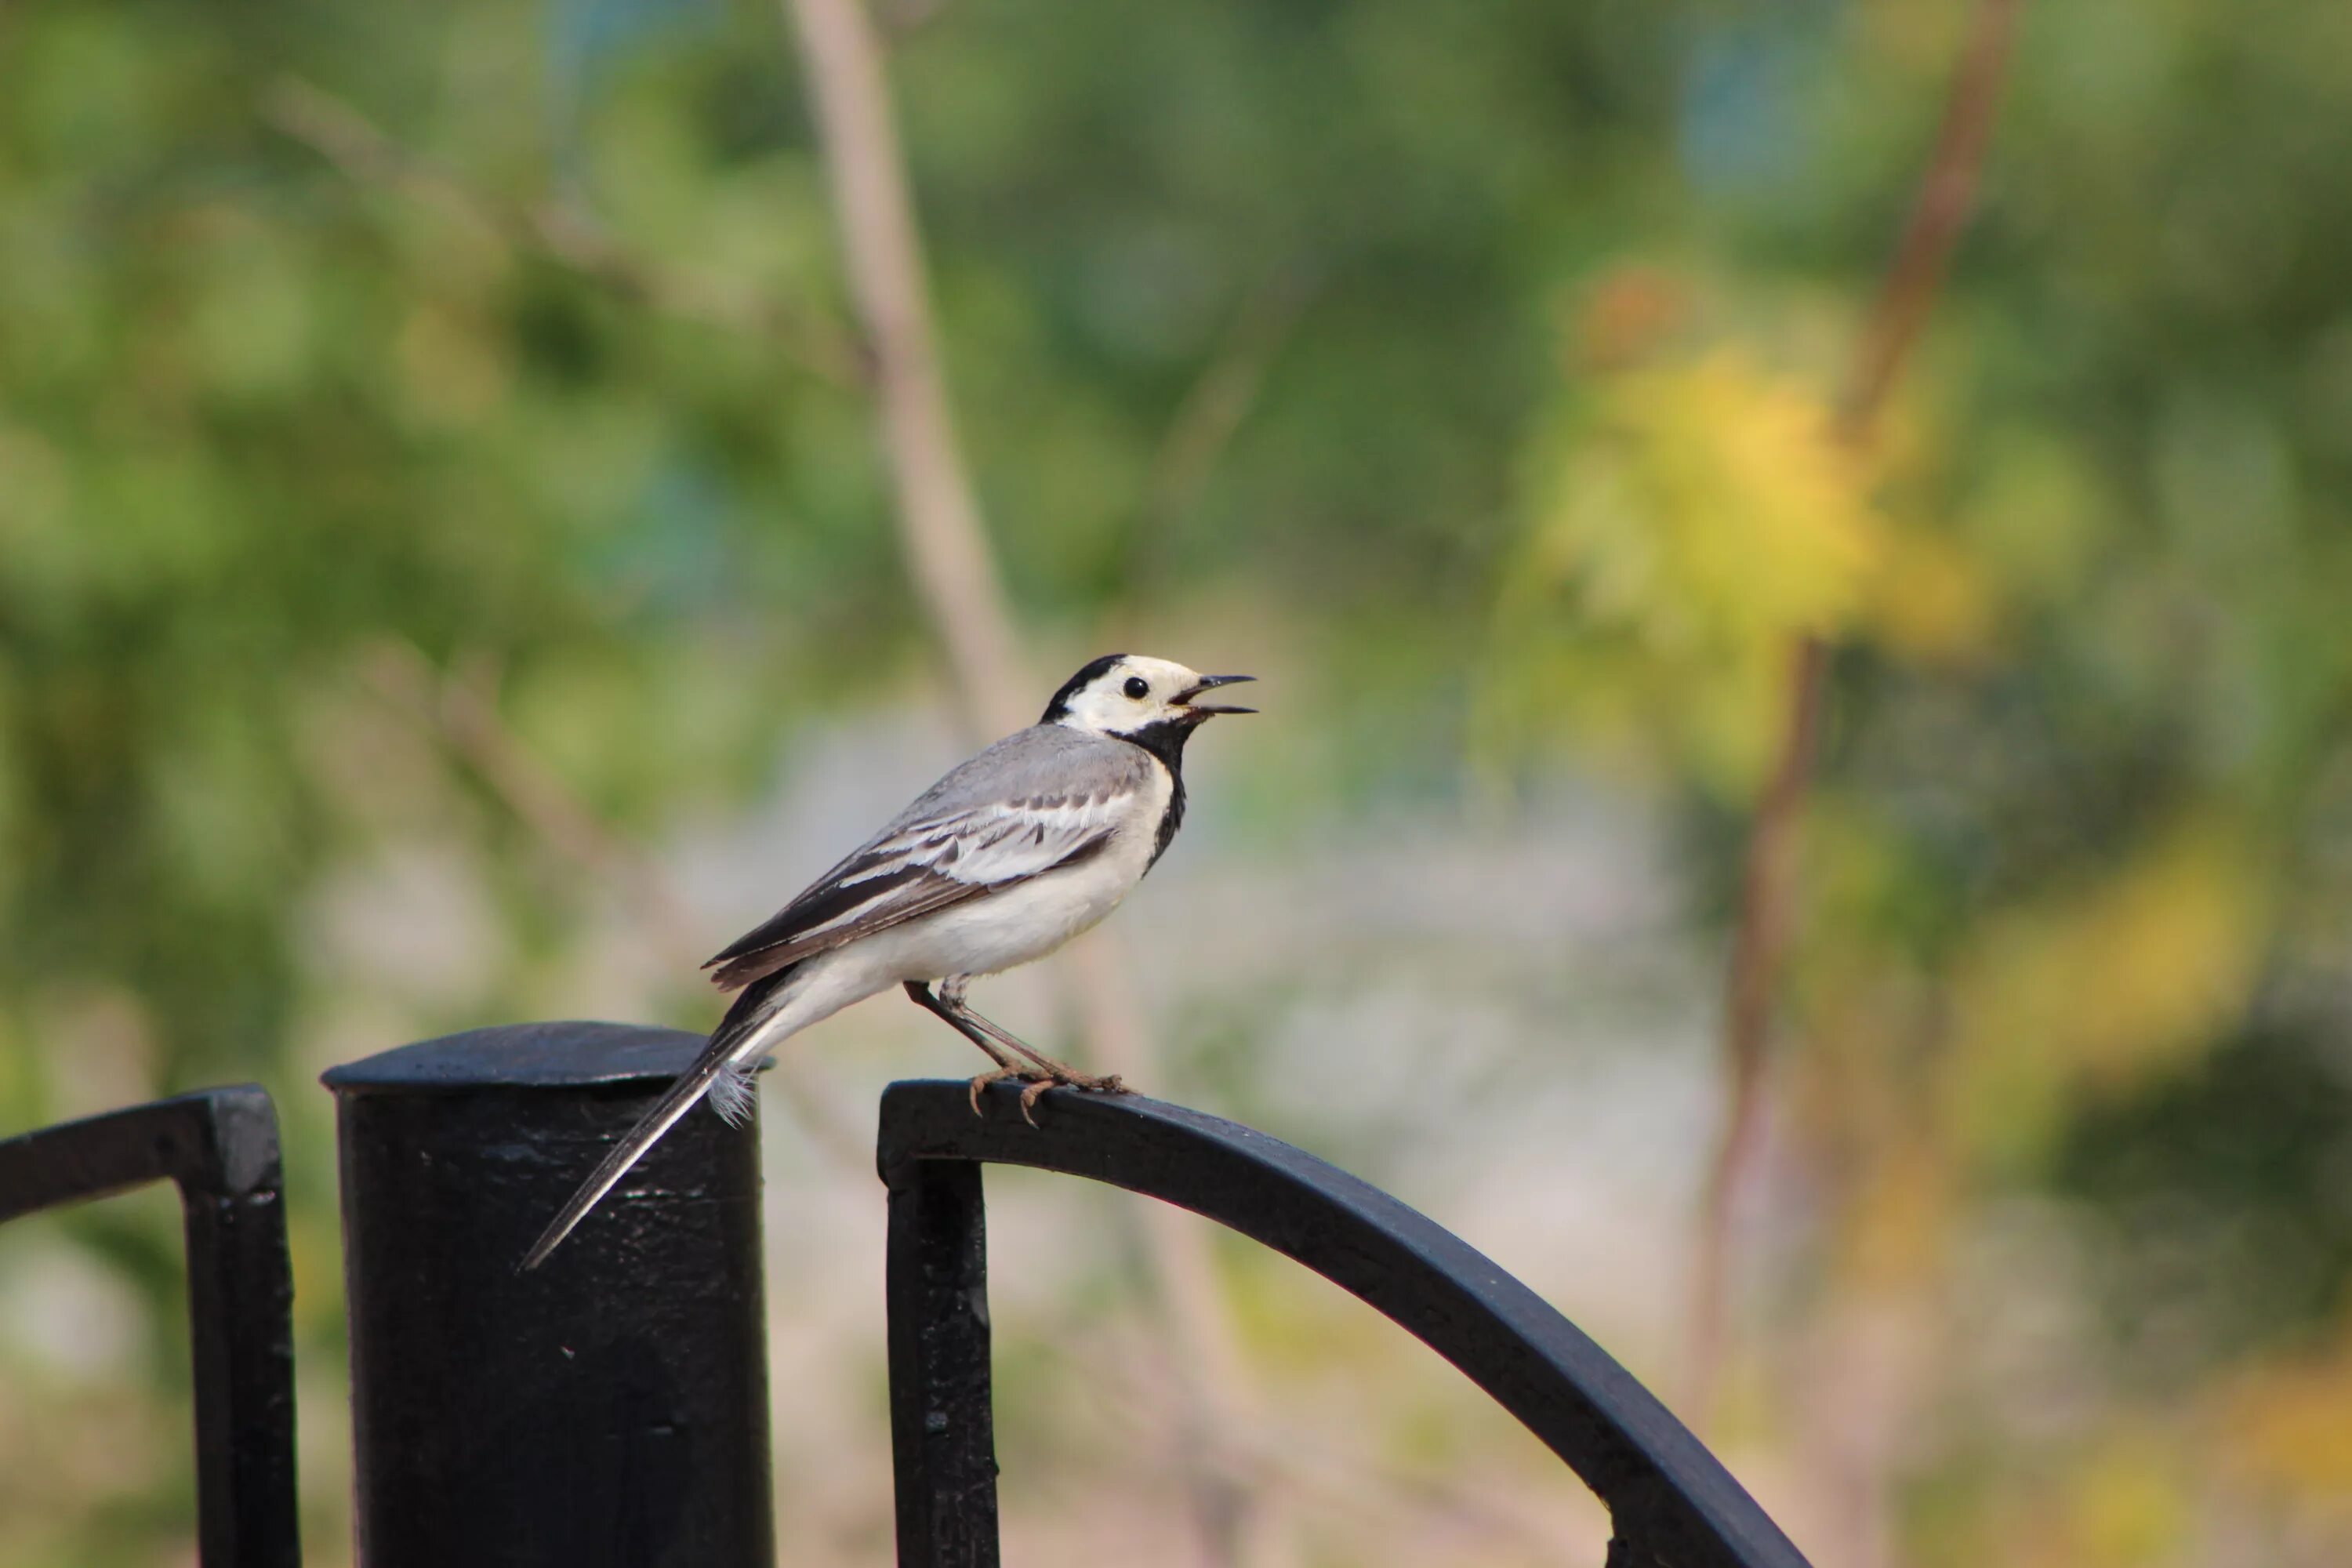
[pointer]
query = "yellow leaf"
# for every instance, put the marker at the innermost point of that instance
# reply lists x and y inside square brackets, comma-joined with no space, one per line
[2289,1428]
[2125,1505]
[1896,1233]
[1930,603]
[2103,988]
[1712,508]
[1695,521]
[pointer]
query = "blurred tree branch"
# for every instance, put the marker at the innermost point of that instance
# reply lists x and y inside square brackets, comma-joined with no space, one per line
[1768,892]
[561,234]
[952,566]
[1213,411]
[1211,415]
[946,550]
[458,710]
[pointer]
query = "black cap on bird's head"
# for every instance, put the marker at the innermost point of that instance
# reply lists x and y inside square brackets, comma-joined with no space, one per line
[1058,709]
[1151,702]
[1123,691]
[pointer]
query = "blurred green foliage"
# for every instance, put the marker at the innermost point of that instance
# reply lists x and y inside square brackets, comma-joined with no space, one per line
[1542,306]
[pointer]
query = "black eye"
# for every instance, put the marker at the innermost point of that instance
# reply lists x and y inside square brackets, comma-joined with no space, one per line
[1136,688]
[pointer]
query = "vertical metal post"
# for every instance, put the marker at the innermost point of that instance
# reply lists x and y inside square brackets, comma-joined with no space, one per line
[610,1408]
[241,1337]
[221,1147]
[942,1428]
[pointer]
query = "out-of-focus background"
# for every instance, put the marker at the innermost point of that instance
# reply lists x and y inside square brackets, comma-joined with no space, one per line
[449,575]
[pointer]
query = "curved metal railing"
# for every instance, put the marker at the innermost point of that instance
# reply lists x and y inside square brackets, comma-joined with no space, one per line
[1671,1502]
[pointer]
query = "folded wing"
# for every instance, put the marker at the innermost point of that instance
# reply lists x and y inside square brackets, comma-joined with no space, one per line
[920,866]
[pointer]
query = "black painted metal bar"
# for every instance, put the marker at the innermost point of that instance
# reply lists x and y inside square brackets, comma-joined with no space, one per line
[1671,1502]
[942,1422]
[220,1148]
[606,1410]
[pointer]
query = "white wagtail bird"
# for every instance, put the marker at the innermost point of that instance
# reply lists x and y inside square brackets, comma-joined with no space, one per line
[1000,862]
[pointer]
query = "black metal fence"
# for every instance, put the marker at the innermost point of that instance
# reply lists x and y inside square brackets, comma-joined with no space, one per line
[611,1408]
[1671,1503]
[221,1148]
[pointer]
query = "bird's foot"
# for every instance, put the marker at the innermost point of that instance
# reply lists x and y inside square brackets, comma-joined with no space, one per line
[1037,1080]
[981,1080]
[1108,1084]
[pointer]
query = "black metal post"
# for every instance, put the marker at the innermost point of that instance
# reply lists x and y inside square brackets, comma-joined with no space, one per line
[220,1147]
[942,1420]
[609,1408]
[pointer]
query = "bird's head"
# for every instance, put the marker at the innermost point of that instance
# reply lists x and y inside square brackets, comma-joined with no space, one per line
[1139,699]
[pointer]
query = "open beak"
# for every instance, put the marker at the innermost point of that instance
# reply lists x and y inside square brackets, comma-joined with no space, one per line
[1209,683]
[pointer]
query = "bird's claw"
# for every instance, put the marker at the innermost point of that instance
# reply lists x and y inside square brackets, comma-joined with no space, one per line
[1036,1081]
[1108,1084]
[998,1075]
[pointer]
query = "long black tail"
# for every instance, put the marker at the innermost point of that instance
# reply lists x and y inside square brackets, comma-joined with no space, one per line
[716,1066]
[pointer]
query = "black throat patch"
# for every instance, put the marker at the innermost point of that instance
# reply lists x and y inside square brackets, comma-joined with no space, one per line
[1166,741]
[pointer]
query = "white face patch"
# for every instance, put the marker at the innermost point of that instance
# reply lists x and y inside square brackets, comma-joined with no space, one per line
[1133,694]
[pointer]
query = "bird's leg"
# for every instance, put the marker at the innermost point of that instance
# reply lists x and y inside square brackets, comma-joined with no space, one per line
[1005,1067]
[960,1018]
[951,998]
[1043,1073]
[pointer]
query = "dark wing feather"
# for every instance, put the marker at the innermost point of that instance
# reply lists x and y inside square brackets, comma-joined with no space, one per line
[790,937]
[825,900]
[921,867]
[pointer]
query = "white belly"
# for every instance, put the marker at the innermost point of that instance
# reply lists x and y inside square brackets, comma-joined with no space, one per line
[984,935]
[1022,923]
